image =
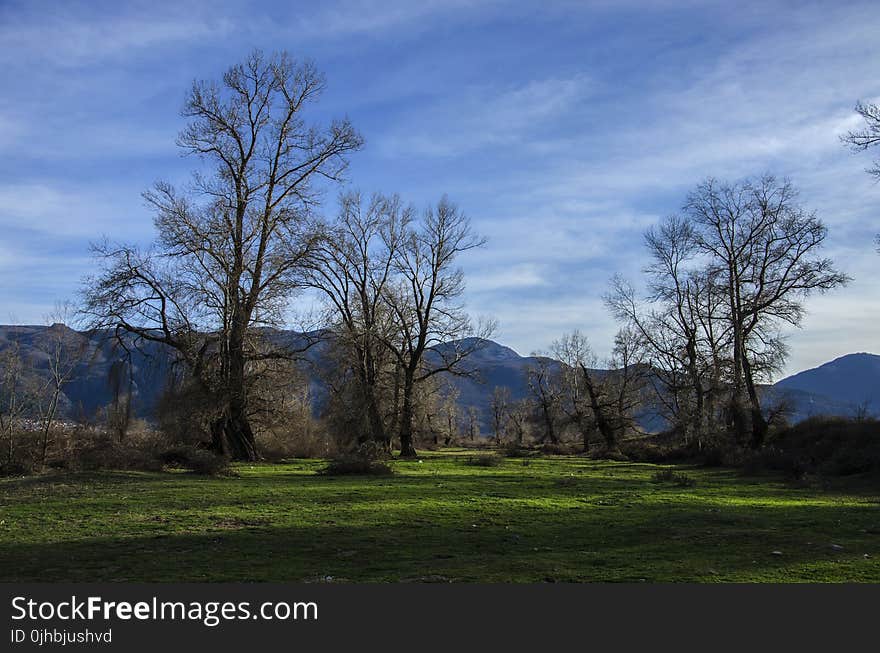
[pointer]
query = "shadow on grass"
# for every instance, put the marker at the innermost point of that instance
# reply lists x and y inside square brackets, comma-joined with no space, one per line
[677,542]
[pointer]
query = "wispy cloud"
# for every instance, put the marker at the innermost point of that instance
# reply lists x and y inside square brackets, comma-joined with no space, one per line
[71,36]
[475,118]
[57,211]
[375,16]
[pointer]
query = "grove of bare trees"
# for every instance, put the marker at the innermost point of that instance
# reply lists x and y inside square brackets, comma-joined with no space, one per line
[246,235]
[725,277]
[391,283]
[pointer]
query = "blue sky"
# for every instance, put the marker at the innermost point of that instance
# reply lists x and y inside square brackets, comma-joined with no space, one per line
[563,129]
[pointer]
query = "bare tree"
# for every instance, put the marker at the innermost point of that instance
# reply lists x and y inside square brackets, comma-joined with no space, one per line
[63,350]
[352,266]
[518,413]
[230,249]
[762,247]
[499,406]
[680,323]
[615,394]
[424,300]
[449,411]
[575,353]
[473,424]
[545,392]
[121,382]
[15,396]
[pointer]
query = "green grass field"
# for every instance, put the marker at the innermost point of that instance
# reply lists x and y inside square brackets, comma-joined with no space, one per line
[548,519]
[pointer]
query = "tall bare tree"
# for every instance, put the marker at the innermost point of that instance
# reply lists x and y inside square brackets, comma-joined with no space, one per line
[450,413]
[230,248]
[121,383]
[425,302]
[680,325]
[353,264]
[518,414]
[762,247]
[544,388]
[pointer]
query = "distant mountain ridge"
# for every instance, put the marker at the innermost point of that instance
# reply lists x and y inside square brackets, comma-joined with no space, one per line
[839,387]
[852,382]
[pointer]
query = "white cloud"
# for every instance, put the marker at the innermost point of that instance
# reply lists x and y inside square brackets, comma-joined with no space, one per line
[480,117]
[61,212]
[68,40]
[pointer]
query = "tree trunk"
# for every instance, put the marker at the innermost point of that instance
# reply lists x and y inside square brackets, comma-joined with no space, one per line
[233,437]
[231,433]
[585,429]
[606,428]
[50,417]
[407,450]
[550,431]
[759,424]
[696,420]
[374,415]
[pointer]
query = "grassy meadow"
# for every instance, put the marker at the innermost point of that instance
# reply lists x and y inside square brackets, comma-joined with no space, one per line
[549,518]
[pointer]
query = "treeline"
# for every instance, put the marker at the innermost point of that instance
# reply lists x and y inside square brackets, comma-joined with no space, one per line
[246,236]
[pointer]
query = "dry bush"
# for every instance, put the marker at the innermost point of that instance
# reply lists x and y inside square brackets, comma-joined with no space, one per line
[194,459]
[561,449]
[650,450]
[669,475]
[514,450]
[370,458]
[280,444]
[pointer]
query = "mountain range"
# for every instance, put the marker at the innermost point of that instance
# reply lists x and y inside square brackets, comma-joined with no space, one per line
[846,386]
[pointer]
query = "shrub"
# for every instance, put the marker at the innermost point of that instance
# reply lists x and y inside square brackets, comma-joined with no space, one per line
[14,468]
[714,456]
[771,458]
[609,454]
[277,445]
[669,475]
[560,449]
[514,450]
[833,446]
[92,451]
[368,459]
[194,459]
[484,460]
[644,450]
